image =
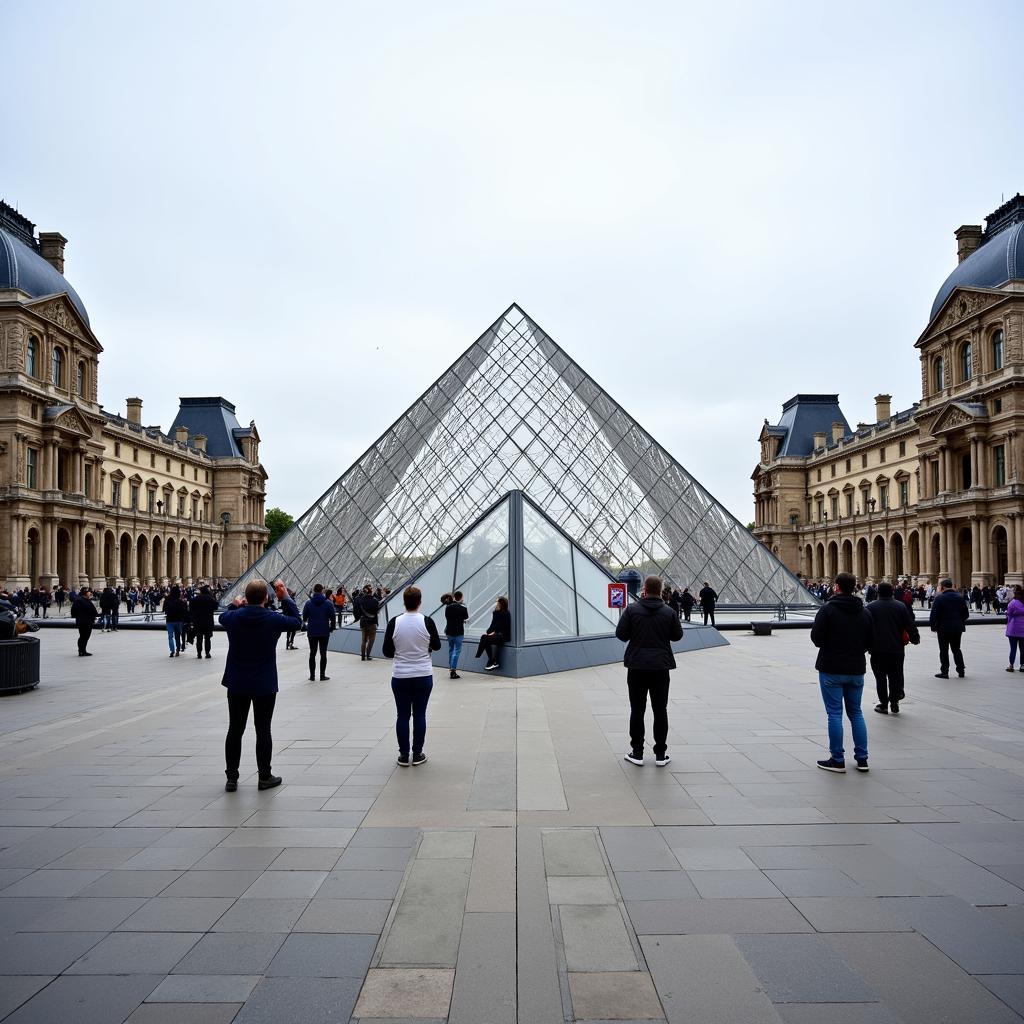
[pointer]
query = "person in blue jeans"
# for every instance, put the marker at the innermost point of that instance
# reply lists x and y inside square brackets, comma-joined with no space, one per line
[842,632]
[176,613]
[455,616]
[409,639]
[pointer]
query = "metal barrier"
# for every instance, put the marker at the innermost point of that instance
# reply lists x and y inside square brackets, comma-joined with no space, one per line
[19,664]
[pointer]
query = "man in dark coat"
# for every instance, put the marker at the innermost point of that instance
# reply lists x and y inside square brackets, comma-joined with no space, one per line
[890,619]
[648,627]
[83,611]
[842,633]
[250,675]
[202,608]
[708,597]
[686,602]
[947,617]
[369,606]
[319,618]
[108,606]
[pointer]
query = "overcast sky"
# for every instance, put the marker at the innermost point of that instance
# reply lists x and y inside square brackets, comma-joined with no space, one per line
[313,208]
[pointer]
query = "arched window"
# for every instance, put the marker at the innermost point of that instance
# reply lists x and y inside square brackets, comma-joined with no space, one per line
[940,374]
[965,362]
[31,355]
[997,350]
[57,376]
[80,385]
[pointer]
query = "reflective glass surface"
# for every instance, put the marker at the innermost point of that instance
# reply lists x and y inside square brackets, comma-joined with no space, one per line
[514,412]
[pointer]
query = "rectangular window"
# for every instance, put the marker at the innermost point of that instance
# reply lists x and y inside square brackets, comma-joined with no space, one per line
[881,454]
[168,465]
[135,455]
[997,405]
[903,448]
[117,449]
[151,500]
[207,476]
[821,510]
[115,493]
[864,460]
[904,493]
[135,495]
[195,472]
[819,474]
[195,508]
[835,507]
[182,468]
[31,461]
[833,468]
[883,496]
[152,460]
[935,477]
[181,505]
[848,465]
[849,503]
[999,458]
[88,479]
[206,510]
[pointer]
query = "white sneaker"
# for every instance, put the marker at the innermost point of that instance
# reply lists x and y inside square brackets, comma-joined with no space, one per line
[663,760]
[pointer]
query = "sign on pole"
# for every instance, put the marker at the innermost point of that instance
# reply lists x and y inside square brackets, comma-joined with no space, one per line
[616,595]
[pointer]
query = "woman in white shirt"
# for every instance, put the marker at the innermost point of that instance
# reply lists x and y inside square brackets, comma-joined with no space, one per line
[409,639]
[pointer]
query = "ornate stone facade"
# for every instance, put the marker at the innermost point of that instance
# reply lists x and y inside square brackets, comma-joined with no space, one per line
[932,492]
[91,497]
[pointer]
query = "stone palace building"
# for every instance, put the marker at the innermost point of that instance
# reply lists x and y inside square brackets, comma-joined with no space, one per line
[87,496]
[932,491]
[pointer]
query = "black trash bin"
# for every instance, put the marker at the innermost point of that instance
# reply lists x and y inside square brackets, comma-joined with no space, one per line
[19,664]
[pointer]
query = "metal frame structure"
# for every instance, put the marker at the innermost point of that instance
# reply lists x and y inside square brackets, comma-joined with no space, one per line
[515,413]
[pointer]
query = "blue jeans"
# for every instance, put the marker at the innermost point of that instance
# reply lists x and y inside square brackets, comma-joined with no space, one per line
[411,696]
[837,690]
[454,650]
[176,636]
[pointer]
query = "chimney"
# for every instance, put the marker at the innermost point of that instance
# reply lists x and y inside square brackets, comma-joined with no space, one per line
[819,439]
[51,248]
[883,406]
[181,435]
[134,410]
[838,430]
[199,442]
[968,238]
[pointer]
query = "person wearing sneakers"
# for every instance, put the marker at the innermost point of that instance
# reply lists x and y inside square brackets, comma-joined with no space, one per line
[250,675]
[1015,626]
[319,619]
[409,639]
[455,615]
[842,632]
[892,626]
[949,613]
[648,627]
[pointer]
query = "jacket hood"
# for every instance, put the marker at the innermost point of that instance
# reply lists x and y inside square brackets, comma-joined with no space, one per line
[651,602]
[319,598]
[849,603]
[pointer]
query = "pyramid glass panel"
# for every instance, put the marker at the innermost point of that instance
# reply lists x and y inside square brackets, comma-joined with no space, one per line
[514,412]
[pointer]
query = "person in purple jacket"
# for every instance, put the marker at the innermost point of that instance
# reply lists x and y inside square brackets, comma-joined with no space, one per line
[250,675]
[1015,626]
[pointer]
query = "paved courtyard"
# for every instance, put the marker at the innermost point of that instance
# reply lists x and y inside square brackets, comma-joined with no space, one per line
[526,873]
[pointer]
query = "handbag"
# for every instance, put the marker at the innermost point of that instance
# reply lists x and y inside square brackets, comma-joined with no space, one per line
[905,638]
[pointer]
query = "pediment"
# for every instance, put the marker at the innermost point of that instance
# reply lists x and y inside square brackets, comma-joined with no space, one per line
[72,421]
[956,415]
[60,310]
[961,304]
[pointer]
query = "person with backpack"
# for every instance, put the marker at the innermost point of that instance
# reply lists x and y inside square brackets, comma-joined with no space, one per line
[892,627]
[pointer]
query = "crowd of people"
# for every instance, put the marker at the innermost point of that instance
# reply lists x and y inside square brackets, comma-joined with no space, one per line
[984,600]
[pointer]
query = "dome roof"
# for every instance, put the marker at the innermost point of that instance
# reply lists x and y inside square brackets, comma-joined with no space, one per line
[23,268]
[1000,257]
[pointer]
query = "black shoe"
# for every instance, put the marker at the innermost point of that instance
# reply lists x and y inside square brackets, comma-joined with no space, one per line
[325,679]
[662,759]
[419,758]
[312,678]
[171,655]
[862,764]
[198,655]
[634,758]
[269,782]
[895,707]
[452,674]
[403,760]
[362,657]
[208,654]
[941,675]
[961,674]
[832,765]
[490,668]
[368,658]
[881,709]
[88,654]
[231,786]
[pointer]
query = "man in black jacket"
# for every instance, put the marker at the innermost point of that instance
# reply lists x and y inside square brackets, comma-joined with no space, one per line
[890,619]
[369,607]
[648,627]
[83,611]
[708,597]
[948,615]
[455,615]
[201,609]
[842,633]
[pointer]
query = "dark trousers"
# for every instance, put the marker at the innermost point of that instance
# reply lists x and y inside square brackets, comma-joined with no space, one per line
[411,696]
[642,682]
[369,634]
[686,614]
[203,636]
[84,632]
[888,670]
[947,642]
[289,638]
[238,715]
[708,613]
[317,643]
[491,647]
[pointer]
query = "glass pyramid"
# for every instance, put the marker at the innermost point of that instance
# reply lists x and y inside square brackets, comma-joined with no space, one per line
[514,412]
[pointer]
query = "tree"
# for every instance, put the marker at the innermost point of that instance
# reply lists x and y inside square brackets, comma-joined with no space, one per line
[278,522]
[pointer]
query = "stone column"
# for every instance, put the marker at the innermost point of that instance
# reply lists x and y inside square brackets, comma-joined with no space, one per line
[1019,546]
[942,470]
[975,548]
[985,543]
[982,472]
